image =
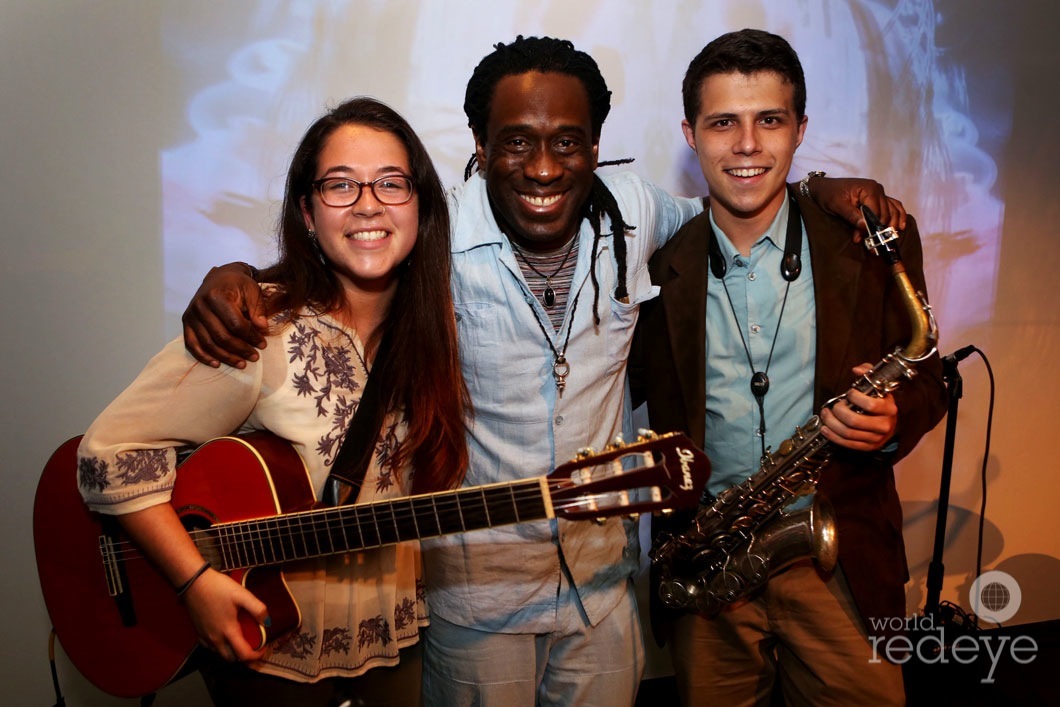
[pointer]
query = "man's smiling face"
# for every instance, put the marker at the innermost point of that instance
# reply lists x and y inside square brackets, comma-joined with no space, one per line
[538,155]
[745,135]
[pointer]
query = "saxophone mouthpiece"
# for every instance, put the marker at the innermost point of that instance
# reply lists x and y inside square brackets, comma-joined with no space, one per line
[880,237]
[872,221]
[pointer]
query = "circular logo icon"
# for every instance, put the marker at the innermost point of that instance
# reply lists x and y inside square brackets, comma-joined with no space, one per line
[995,596]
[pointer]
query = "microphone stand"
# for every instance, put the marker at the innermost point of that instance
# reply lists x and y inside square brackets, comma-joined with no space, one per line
[954,389]
[923,682]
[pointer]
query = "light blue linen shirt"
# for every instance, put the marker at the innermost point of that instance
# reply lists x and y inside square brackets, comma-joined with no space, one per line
[756,286]
[507,579]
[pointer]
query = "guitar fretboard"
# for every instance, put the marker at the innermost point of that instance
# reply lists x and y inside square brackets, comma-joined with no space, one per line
[331,531]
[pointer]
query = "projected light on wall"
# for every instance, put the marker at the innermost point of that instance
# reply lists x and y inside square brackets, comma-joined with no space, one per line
[884,101]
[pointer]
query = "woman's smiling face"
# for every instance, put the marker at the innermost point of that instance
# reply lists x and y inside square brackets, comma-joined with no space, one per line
[367,241]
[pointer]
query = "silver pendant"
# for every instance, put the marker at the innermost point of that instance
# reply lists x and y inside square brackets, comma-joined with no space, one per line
[560,369]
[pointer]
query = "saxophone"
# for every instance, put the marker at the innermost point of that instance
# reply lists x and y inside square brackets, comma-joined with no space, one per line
[741,538]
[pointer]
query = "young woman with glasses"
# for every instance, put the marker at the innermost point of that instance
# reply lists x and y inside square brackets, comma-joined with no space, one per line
[363,262]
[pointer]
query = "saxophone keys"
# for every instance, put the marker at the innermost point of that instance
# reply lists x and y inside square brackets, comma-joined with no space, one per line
[754,567]
[707,603]
[727,586]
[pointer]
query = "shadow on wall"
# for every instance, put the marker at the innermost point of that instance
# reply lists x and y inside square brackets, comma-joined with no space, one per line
[1038,574]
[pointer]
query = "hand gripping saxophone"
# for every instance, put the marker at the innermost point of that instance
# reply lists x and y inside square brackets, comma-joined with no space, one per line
[743,537]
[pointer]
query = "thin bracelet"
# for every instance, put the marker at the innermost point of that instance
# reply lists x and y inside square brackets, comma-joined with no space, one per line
[191,580]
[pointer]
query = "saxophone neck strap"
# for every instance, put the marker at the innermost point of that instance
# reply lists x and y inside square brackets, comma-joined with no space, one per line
[790,265]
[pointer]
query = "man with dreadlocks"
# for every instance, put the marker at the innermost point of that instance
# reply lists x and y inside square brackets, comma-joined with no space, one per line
[543,611]
[549,270]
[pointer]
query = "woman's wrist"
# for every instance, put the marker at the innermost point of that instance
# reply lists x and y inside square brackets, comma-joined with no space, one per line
[182,589]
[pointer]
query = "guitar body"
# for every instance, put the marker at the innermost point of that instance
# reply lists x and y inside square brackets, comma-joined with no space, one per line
[133,644]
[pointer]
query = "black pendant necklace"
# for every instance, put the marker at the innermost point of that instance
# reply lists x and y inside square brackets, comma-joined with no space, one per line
[549,295]
[759,381]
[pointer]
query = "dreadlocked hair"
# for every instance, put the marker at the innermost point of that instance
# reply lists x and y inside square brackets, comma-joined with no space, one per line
[542,54]
[602,202]
[551,55]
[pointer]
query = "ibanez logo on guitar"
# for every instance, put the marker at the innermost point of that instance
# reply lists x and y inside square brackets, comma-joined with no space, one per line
[127,632]
[687,457]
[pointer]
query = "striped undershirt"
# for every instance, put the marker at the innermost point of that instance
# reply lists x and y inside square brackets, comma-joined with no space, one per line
[547,263]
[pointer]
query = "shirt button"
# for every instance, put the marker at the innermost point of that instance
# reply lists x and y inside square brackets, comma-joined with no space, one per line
[752,276]
[755,328]
[758,433]
[559,419]
[738,263]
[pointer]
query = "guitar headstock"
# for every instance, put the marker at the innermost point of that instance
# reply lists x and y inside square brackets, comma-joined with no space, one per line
[655,473]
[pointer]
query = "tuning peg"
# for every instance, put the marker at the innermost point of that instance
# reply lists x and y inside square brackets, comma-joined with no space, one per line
[644,434]
[617,443]
[585,452]
[634,516]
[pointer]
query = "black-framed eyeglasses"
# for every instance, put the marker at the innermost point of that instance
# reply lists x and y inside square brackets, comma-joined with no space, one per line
[392,190]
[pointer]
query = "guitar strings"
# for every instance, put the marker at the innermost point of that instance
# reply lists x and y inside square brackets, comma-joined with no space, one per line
[467,507]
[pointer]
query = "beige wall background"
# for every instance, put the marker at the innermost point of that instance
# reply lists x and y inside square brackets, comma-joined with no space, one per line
[142,142]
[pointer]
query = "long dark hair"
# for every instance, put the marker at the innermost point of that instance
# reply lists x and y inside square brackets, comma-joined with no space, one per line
[421,371]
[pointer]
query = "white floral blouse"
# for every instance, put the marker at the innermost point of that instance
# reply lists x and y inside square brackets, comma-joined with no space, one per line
[357,609]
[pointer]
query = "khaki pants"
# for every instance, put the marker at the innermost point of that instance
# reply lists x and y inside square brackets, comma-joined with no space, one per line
[802,631]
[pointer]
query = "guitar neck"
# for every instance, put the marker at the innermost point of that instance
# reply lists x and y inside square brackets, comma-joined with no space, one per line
[332,531]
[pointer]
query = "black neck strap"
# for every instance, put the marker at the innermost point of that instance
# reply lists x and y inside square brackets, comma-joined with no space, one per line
[790,266]
[358,445]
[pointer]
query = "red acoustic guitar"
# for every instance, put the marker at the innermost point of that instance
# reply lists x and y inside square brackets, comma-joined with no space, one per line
[248,503]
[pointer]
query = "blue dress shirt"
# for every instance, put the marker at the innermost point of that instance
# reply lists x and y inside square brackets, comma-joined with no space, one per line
[508,579]
[755,284]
